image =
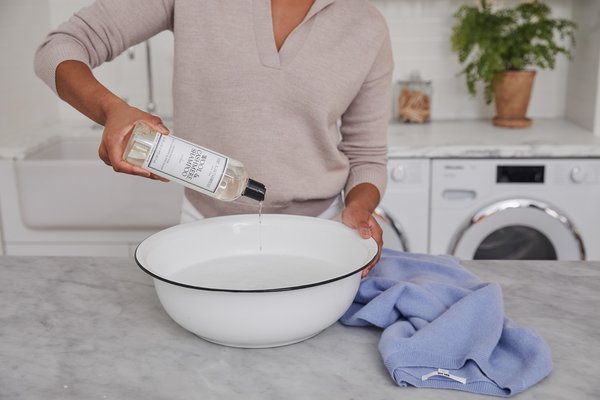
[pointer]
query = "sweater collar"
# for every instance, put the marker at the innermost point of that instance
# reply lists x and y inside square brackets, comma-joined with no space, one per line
[317,6]
[265,42]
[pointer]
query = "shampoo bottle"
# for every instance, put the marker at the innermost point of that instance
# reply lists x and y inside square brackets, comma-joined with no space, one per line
[193,166]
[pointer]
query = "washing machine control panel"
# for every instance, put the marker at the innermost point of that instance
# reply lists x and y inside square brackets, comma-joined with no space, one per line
[405,173]
[578,174]
[575,173]
[398,173]
[520,173]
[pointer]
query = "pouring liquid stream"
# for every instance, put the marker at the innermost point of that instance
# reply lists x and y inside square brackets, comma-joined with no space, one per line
[260,205]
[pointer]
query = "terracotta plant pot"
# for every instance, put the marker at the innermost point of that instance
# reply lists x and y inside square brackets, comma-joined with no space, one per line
[512,95]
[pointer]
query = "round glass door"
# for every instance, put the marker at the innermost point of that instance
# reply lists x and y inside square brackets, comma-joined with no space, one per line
[517,242]
[519,229]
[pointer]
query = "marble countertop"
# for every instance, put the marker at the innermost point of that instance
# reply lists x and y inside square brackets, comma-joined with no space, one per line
[92,328]
[438,139]
[546,138]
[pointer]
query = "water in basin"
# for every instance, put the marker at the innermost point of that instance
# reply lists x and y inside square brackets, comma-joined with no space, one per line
[64,185]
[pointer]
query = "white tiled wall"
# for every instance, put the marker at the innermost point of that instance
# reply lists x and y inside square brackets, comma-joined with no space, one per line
[420,31]
[583,90]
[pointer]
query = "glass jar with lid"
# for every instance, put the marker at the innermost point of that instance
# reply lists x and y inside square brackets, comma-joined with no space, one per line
[412,100]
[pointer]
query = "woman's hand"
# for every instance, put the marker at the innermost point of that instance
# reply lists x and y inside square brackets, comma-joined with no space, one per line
[120,119]
[360,203]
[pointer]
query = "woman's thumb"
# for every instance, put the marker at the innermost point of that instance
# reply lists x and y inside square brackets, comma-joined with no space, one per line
[364,229]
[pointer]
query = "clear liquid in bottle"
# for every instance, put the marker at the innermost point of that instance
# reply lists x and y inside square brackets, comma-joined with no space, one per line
[191,165]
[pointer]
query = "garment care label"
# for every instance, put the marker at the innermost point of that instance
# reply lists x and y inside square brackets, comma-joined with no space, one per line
[188,163]
[446,374]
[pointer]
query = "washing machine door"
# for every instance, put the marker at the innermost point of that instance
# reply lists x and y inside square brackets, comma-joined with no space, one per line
[518,229]
[394,236]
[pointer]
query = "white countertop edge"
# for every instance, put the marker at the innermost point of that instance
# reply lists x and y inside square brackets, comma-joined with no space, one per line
[538,151]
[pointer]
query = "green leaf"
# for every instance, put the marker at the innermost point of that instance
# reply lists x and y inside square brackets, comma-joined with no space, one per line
[489,42]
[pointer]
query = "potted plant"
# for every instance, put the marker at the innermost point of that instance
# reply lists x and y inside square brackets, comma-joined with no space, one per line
[497,48]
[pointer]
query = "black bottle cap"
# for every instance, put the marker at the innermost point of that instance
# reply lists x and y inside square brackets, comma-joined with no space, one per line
[255,190]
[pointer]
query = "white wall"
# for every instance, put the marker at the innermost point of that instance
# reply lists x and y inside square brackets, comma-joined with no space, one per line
[25,103]
[583,104]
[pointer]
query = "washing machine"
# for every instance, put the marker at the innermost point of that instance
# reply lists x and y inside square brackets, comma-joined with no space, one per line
[536,209]
[403,212]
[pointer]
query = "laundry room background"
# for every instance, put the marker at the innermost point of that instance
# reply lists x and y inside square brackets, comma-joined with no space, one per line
[39,130]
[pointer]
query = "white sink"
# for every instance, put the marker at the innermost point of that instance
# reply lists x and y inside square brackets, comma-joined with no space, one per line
[65,186]
[68,149]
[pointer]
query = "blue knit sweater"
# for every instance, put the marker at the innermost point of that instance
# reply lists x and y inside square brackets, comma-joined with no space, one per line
[445,328]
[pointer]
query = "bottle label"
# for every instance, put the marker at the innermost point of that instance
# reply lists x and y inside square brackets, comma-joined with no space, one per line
[185,161]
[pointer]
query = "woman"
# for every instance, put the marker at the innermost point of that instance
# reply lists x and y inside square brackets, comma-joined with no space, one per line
[264,82]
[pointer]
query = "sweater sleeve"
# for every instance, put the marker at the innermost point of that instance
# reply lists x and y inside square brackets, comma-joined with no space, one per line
[365,121]
[100,32]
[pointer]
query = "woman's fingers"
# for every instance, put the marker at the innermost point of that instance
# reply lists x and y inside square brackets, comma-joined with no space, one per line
[367,227]
[117,131]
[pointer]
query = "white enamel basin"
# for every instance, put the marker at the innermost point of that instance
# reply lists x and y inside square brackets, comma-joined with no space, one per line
[233,281]
[64,185]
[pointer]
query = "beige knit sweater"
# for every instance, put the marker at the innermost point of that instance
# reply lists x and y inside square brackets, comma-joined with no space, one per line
[234,93]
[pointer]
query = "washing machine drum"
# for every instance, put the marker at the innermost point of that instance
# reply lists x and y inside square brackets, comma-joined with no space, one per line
[394,236]
[518,229]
